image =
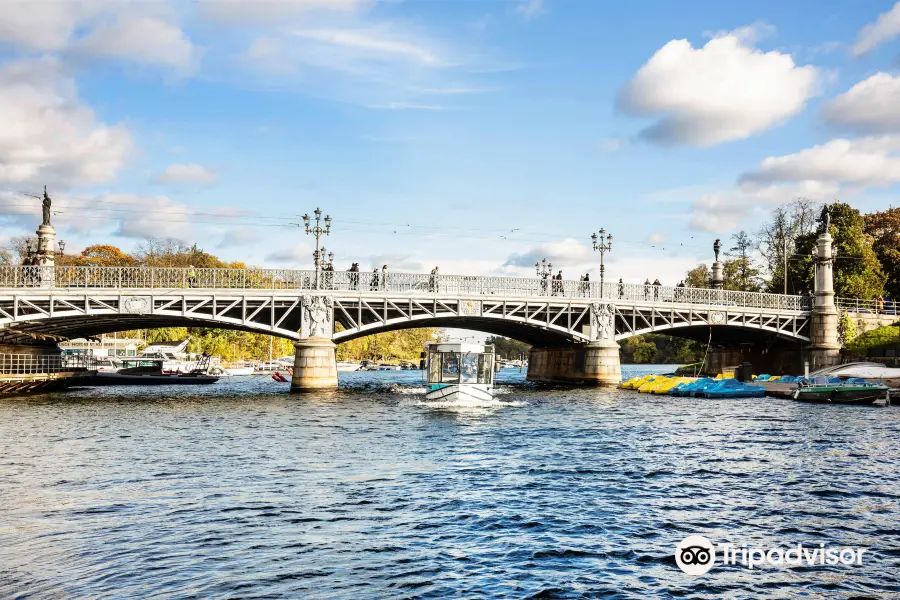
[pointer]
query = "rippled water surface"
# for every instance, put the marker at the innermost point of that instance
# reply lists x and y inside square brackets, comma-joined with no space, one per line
[241,490]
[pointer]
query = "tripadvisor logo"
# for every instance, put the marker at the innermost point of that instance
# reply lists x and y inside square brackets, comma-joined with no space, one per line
[696,555]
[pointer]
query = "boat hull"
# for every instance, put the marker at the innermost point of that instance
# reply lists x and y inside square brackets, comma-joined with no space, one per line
[831,395]
[120,379]
[239,371]
[474,392]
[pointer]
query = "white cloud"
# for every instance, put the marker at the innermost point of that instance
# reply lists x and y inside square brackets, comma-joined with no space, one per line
[725,210]
[871,161]
[47,135]
[870,106]
[568,250]
[186,173]
[238,237]
[726,90]
[300,254]
[272,11]
[372,42]
[45,25]
[885,28]
[531,9]
[143,39]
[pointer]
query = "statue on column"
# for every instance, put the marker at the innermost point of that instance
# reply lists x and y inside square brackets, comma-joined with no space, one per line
[46,207]
[824,219]
[717,247]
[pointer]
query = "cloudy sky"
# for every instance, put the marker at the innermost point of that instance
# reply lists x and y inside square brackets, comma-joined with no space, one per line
[478,135]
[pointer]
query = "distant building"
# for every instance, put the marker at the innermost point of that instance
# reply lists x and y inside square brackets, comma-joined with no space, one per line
[101,347]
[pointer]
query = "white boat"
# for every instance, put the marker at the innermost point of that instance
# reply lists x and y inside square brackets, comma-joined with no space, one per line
[389,367]
[460,372]
[239,371]
[347,367]
[870,371]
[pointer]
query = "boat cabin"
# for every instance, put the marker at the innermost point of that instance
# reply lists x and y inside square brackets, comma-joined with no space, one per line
[460,363]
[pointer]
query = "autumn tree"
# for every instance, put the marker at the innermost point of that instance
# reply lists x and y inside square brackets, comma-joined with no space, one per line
[884,229]
[104,256]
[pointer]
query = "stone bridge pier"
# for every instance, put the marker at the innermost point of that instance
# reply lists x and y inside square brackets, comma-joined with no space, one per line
[315,367]
[595,363]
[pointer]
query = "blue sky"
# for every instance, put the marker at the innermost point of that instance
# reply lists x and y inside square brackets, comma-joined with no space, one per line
[474,135]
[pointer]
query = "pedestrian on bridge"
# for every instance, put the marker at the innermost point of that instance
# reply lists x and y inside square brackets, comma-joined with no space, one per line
[646,289]
[192,276]
[621,289]
[656,286]
[373,285]
[557,284]
[384,277]
[433,281]
[354,276]
[586,284]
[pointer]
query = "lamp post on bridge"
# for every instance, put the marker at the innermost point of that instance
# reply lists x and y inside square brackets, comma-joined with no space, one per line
[318,231]
[602,244]
[543,270]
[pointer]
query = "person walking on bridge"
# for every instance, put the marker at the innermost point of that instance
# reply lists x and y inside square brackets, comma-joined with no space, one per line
[373,285]
[646,289]
[586,284]
[354,276]
[621,289]
[384,277]
[656,286]
[192,276]
[558,285]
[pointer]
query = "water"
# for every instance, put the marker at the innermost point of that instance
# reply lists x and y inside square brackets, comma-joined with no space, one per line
[241,490]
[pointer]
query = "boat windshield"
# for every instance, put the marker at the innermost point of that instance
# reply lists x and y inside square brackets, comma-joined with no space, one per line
[460,367]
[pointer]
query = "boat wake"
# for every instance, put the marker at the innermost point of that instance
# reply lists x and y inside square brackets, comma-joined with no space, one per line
[463,403]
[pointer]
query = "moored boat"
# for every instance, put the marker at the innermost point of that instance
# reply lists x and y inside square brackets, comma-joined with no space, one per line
[854,391]
[460,372]
[143,371]
[347,367]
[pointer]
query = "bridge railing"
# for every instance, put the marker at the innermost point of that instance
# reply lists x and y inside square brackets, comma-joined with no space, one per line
[288,279]
[26,364]
[876,307]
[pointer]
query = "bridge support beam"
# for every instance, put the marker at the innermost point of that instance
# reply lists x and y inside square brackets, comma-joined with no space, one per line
[594,364]
[315,367]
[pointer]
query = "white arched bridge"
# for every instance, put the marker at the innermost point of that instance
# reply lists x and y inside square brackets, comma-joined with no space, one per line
[68,302]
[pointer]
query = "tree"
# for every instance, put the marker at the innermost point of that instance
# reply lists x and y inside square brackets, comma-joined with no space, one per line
[104,256]
[884,229]
[857,271]
[740,274]
[507,348]
[776,240]
[698,277]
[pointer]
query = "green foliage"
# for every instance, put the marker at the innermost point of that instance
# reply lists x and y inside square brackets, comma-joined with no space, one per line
[846,329]
[857,272]
[698,277]
[507,348]
[740,273]
[404,344]
[880,337]
[660,349]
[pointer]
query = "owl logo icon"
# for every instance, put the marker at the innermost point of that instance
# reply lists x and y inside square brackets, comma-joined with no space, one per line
[695,555]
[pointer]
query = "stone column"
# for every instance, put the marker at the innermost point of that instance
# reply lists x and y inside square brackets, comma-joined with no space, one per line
[825,348]
[45,255]
[315,367]
[601,358]
[718,275]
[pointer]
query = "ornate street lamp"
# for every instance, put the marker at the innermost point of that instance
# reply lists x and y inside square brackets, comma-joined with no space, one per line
[544,270]
[62,247]
[318,231]
[602,244]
